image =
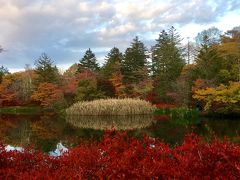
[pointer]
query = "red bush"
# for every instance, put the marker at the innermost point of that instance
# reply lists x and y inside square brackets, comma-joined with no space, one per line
[118,156]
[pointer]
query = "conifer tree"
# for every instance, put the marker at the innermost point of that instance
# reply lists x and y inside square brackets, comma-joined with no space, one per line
[45,69]
[208,62]
[89,62]
[167,60]
[134,64]
[112,63]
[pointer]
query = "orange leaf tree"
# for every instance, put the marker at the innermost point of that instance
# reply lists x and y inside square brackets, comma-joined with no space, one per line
[8,95]
[47,94]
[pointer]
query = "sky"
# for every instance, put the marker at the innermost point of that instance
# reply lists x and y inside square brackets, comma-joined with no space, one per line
[65,29]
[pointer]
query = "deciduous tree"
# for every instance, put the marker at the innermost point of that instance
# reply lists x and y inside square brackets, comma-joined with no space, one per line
[208,37]
[47,94]
[222,99]
[87,87]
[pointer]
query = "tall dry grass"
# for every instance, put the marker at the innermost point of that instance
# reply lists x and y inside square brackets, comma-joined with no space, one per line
[101,107]
[111,122]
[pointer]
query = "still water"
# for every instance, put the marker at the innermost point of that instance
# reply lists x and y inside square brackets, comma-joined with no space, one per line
[46,130]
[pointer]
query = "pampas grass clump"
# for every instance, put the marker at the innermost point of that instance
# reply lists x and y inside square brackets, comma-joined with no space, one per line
[111,122]
[101,107]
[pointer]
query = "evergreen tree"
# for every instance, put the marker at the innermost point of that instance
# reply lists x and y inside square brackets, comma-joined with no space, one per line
[208,63]
[46,70]
[112,63]
[167,60]
[134,64]
[89,62]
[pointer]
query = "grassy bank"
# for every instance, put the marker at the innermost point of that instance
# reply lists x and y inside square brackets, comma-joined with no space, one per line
[20,110]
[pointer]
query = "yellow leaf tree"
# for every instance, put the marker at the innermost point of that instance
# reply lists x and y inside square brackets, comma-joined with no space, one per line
[222,99]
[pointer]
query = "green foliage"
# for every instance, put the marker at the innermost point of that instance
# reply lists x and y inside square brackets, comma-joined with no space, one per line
[219,62]
[112,63]
[229,51]
[184,85]
[208,63]
[180,115]
[87,90]
[167,60]
[89,62]
[20,110]
[46,71]
[134,65]
[142,89]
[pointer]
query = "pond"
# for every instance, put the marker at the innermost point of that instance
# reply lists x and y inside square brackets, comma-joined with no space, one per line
[46,130]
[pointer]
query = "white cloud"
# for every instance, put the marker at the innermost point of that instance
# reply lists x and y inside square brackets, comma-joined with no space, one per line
[66,28]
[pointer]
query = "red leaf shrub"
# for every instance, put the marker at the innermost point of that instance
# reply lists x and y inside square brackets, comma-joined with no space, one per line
[118,156]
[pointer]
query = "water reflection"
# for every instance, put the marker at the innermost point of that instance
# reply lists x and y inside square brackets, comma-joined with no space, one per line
[46,130]
[111,122]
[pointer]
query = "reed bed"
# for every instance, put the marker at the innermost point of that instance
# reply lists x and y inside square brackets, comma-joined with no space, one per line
[111,122]
[105,107]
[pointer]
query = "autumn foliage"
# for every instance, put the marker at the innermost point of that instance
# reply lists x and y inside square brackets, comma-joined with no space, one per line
[224,98]
[118,156]
[7,93]
[47,94]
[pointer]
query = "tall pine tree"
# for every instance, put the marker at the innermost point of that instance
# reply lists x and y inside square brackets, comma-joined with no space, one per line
[46,70]
[134,64]
[112,63]
[167,60]
[89,62]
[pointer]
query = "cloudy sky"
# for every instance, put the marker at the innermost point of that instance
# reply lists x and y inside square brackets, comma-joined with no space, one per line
[64,29]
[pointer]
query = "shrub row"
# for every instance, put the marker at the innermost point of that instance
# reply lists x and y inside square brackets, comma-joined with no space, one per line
[118,156]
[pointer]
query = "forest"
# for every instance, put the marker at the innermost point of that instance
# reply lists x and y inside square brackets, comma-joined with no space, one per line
[140,115]
[204,74]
